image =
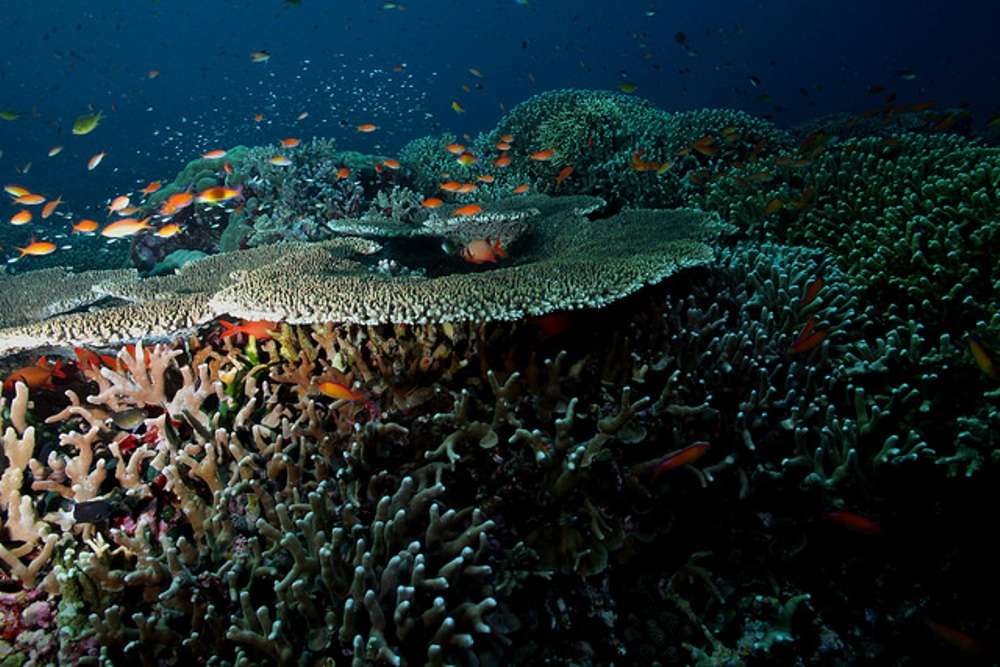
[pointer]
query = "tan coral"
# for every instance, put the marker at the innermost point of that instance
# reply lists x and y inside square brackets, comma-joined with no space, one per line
[37,295]
[575,264]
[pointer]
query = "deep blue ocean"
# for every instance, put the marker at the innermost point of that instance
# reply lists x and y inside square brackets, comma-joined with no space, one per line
[401,65]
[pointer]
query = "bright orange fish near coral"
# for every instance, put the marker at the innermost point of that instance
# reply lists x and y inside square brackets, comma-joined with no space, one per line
[681,457]
[259,329]
[37,249]
[341,392]
[465,211]
[483,251]
[38,376]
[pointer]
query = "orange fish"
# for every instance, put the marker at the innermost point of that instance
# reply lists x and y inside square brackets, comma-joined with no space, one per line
[455,149]
[218,194]
[125,227]
[983,357]
[38,376]
[502,161]
[367,128]
[37,249]
[95,160]
[681,457]
[466,159]
[176,202]
[16,190]
[118,203]
[481,251]
[502,146]
[564,174]
[29,199]
[214,154]
[280,161]
[290,142]
[507,138]
[129,210]
[228,168]
[451,186]
[85,226]
[466,188]
[807,338]
[339,391]
[343,173]
[391,164]
[258,117]
[485,178]
[470,209]
[259,329]
[431,202]
[168,230]
[22,217]
[773,206]
[151,188]
[50,208]
[543,156]
[705,145]
[522,188]
[854,522]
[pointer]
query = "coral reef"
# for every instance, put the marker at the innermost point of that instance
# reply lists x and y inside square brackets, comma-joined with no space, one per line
[702,435]
[571,262]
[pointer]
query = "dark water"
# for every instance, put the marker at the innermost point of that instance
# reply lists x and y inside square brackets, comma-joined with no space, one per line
[336,61]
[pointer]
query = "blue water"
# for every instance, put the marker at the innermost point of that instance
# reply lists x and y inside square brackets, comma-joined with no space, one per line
[337,60]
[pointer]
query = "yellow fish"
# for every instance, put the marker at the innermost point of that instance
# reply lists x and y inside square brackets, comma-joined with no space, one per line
[86,123]
[456,107]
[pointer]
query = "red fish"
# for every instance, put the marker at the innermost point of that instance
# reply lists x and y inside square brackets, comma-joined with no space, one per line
[854,522]
[564,173]
[807,338]
[86,359]
[38,376]
[259,329]
[811,291]
[481,251]
[551,325]
[956,638]
[681,457]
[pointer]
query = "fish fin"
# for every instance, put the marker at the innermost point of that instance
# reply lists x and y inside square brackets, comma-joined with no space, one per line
[498,249]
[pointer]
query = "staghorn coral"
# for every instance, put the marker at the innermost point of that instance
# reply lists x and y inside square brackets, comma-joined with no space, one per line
[598,133]
[909,219]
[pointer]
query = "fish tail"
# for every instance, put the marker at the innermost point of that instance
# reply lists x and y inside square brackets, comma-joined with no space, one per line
[228,329]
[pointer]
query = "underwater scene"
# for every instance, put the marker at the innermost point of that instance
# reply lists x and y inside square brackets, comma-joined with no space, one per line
[499,332]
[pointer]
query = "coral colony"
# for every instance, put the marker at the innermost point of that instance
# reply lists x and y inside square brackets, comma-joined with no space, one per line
[695,370]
